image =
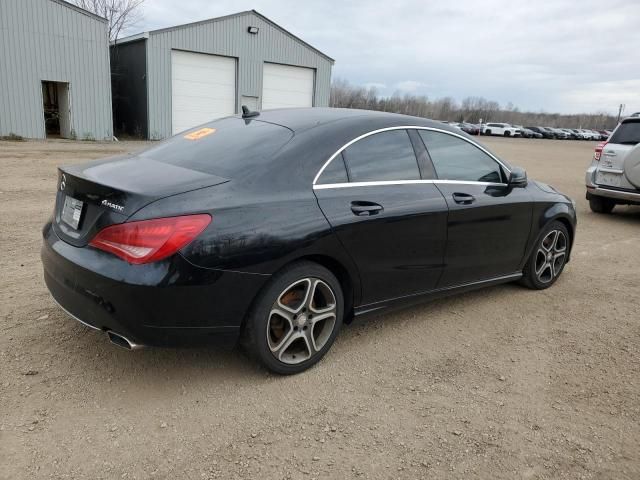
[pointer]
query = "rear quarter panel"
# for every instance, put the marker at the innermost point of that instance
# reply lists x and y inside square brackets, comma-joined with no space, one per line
[255,232]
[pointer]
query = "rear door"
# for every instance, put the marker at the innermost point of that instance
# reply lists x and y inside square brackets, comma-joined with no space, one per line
[489,223]
[611,169]
[391,221]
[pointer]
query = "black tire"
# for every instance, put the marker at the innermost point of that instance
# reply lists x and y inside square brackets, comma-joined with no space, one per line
[601,204]
[256,336]
[530,274]
[507,133]
[487,132]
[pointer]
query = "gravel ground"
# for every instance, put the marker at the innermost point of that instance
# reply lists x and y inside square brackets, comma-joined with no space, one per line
[500,383]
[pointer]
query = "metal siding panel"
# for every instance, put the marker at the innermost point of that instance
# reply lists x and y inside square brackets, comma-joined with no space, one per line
[45,40]
[227,37]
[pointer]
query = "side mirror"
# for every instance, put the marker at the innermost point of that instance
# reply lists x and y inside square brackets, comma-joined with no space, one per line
[518,177]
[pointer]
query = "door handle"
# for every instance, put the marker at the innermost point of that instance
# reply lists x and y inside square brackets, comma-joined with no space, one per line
[463,198]
[610,153]
[363,209]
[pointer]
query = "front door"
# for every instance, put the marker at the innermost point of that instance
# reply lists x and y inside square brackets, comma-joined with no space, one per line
[489,223]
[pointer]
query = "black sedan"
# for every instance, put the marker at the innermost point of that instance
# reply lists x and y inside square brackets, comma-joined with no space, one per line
[469,128]
[544,132]
[275,229]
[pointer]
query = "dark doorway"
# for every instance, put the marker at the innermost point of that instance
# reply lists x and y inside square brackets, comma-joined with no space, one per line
[57,111]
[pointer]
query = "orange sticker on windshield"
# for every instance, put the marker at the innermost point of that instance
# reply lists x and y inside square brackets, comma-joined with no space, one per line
[198,134]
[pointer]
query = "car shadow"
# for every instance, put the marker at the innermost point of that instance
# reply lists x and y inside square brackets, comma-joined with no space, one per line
[628,212]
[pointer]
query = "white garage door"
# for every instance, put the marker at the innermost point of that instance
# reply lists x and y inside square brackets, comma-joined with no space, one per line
[203,87]
[284,86]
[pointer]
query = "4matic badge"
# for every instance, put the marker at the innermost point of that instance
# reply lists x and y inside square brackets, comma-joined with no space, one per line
[116,207]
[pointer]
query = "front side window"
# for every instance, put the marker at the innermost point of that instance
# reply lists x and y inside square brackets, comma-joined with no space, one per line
[457,159]
[384,156]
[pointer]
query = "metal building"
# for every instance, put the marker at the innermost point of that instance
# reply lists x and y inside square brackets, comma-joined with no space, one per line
[168,80]
[54,71]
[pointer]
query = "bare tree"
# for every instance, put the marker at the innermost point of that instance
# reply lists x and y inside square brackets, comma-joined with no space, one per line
[471,109]
[121,14]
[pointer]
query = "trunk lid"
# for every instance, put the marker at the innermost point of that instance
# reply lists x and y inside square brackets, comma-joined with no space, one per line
[114,189]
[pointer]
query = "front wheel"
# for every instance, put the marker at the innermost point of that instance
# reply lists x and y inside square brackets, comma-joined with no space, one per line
[507,133]
[548,258]
[295,319]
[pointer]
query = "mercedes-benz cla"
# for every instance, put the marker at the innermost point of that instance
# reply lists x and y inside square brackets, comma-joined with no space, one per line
[275,229]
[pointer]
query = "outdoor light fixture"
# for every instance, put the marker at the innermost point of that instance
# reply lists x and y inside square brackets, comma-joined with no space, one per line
[253,30]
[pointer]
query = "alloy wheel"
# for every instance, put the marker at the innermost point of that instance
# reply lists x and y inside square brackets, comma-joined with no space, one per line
[301,320]
[551,256]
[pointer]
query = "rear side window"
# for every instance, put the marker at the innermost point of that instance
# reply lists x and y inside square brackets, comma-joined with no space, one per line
[457,159]
[229,148]
[628,133]
[385,156]
[336,172]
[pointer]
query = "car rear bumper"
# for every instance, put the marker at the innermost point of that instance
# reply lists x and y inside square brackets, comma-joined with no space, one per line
[623,195]
[167,303]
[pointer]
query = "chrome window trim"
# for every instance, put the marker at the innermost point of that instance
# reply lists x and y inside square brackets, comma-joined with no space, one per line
[404,182]
[405,127]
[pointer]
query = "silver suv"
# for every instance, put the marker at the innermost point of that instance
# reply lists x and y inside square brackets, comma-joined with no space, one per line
[613,178]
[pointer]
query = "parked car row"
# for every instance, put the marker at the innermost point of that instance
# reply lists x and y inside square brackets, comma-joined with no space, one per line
[508,130]
[505,129]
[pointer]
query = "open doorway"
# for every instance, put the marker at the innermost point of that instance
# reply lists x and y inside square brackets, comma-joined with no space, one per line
[57,111]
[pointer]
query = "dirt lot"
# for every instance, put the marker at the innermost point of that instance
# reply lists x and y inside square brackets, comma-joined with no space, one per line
[499,383]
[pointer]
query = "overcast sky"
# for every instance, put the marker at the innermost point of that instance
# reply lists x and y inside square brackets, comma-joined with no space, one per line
[553,55]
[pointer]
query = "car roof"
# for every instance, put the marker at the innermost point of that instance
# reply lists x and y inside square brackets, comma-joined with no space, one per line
[320,132]
[301,119]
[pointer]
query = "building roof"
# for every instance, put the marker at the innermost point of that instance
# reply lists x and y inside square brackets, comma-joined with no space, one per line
[79,10]
[217,19]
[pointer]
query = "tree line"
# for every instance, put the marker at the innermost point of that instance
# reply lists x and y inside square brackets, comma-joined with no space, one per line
[470,109]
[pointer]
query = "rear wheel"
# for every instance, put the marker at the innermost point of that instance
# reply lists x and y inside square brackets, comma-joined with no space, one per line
[487,132]
[295,319]
[601,204]
[548,257]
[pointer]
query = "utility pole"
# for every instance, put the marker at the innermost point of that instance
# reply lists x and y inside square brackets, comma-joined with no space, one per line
[620,110]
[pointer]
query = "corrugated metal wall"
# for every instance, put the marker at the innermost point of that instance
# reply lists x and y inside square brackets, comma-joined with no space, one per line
[229,37]
[46,40]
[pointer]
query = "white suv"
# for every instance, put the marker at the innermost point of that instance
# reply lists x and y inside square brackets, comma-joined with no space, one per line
[614,175]
[503,129]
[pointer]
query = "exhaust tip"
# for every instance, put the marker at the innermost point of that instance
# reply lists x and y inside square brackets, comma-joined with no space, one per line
[121,341]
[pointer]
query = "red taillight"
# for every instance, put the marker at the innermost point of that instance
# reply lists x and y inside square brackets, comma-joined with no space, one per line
[598,152]
[148,241]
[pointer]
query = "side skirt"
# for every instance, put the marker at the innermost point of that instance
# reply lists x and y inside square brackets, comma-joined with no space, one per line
[417,298]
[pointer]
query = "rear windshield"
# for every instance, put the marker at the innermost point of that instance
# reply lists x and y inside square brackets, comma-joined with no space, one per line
[229,148]
[628,133]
